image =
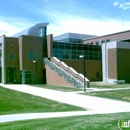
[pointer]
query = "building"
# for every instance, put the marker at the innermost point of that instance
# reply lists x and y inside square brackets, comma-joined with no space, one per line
[115,55]
[115,61]
[22,56]
[107,38]
[72,37]
[32,57]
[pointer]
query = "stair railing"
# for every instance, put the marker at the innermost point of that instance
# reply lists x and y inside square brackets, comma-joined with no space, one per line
[68,73]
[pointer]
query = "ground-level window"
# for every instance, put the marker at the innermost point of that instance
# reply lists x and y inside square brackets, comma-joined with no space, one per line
[27,77]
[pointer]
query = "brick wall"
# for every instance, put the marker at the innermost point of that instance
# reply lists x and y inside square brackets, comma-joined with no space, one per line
[123,63]
[92,68]
[52,78]
[112,63]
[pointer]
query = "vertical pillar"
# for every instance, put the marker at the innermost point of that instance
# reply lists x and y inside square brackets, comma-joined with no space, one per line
[3,59]
[45,51]
[104,62]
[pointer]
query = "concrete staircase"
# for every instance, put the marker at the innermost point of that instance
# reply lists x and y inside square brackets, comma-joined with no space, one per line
[58,73]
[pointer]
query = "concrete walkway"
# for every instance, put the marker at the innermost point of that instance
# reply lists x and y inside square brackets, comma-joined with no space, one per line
[96,104]
[100,89]
[29,116]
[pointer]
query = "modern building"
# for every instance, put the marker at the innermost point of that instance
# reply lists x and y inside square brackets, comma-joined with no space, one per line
[22,56]
[31,56]
[72,37]
[115,55]
[115,61]
[98,40]
[22,59]
[36,30]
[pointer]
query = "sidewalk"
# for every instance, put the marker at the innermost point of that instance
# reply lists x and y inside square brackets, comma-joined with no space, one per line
[88,102]
[94,105]
[29,116]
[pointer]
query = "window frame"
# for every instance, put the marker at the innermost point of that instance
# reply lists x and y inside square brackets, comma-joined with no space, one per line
[11,56]
[29,55]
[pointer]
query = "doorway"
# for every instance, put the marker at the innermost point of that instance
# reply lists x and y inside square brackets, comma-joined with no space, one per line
[11,75]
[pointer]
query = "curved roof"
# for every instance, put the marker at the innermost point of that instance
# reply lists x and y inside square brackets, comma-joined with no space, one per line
[32,31]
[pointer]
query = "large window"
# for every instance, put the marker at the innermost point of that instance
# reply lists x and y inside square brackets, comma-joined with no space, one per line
[31,55]
[71,40]
[27,77]
[72,51]
[42,31]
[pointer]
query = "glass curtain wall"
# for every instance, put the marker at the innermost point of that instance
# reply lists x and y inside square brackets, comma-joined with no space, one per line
[72,51]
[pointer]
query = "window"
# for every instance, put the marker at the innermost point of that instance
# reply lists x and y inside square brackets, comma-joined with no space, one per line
[91,43]
[108,40]
[103,41]
[97,42]
[42,31]
[0,53]
[72,51]
[11,56]
[31,55]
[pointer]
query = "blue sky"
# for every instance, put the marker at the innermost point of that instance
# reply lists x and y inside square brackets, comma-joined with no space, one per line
[96,17]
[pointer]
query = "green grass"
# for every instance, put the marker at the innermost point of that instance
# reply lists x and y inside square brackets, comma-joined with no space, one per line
[17,102]
[106,85]
[87,122]
[122,95]
[59,88]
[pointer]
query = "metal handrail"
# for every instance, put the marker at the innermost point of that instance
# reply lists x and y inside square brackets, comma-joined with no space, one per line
[66,72]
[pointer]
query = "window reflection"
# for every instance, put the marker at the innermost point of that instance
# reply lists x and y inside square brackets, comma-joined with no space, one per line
[72,51]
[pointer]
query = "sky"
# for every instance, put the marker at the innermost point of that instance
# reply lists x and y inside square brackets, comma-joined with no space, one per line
[94,17]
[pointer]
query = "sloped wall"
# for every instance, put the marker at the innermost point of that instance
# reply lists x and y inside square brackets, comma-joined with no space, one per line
[52,78]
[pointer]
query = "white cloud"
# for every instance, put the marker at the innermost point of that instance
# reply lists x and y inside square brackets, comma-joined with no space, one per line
[10,27]
[88,26]
[123,6]
[66,24]
[116,3]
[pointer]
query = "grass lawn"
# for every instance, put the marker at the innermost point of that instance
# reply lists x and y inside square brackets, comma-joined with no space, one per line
[65,89]
[122,95]
[87,122]
[106,85]
[17,102]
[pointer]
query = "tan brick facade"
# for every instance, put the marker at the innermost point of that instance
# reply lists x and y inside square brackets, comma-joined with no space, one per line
[53,78]
[112,63]
[123,64]
[111,37]
[12,66]
[92,68]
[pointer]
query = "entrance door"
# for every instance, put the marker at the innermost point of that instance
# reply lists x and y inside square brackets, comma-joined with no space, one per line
[11,74]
